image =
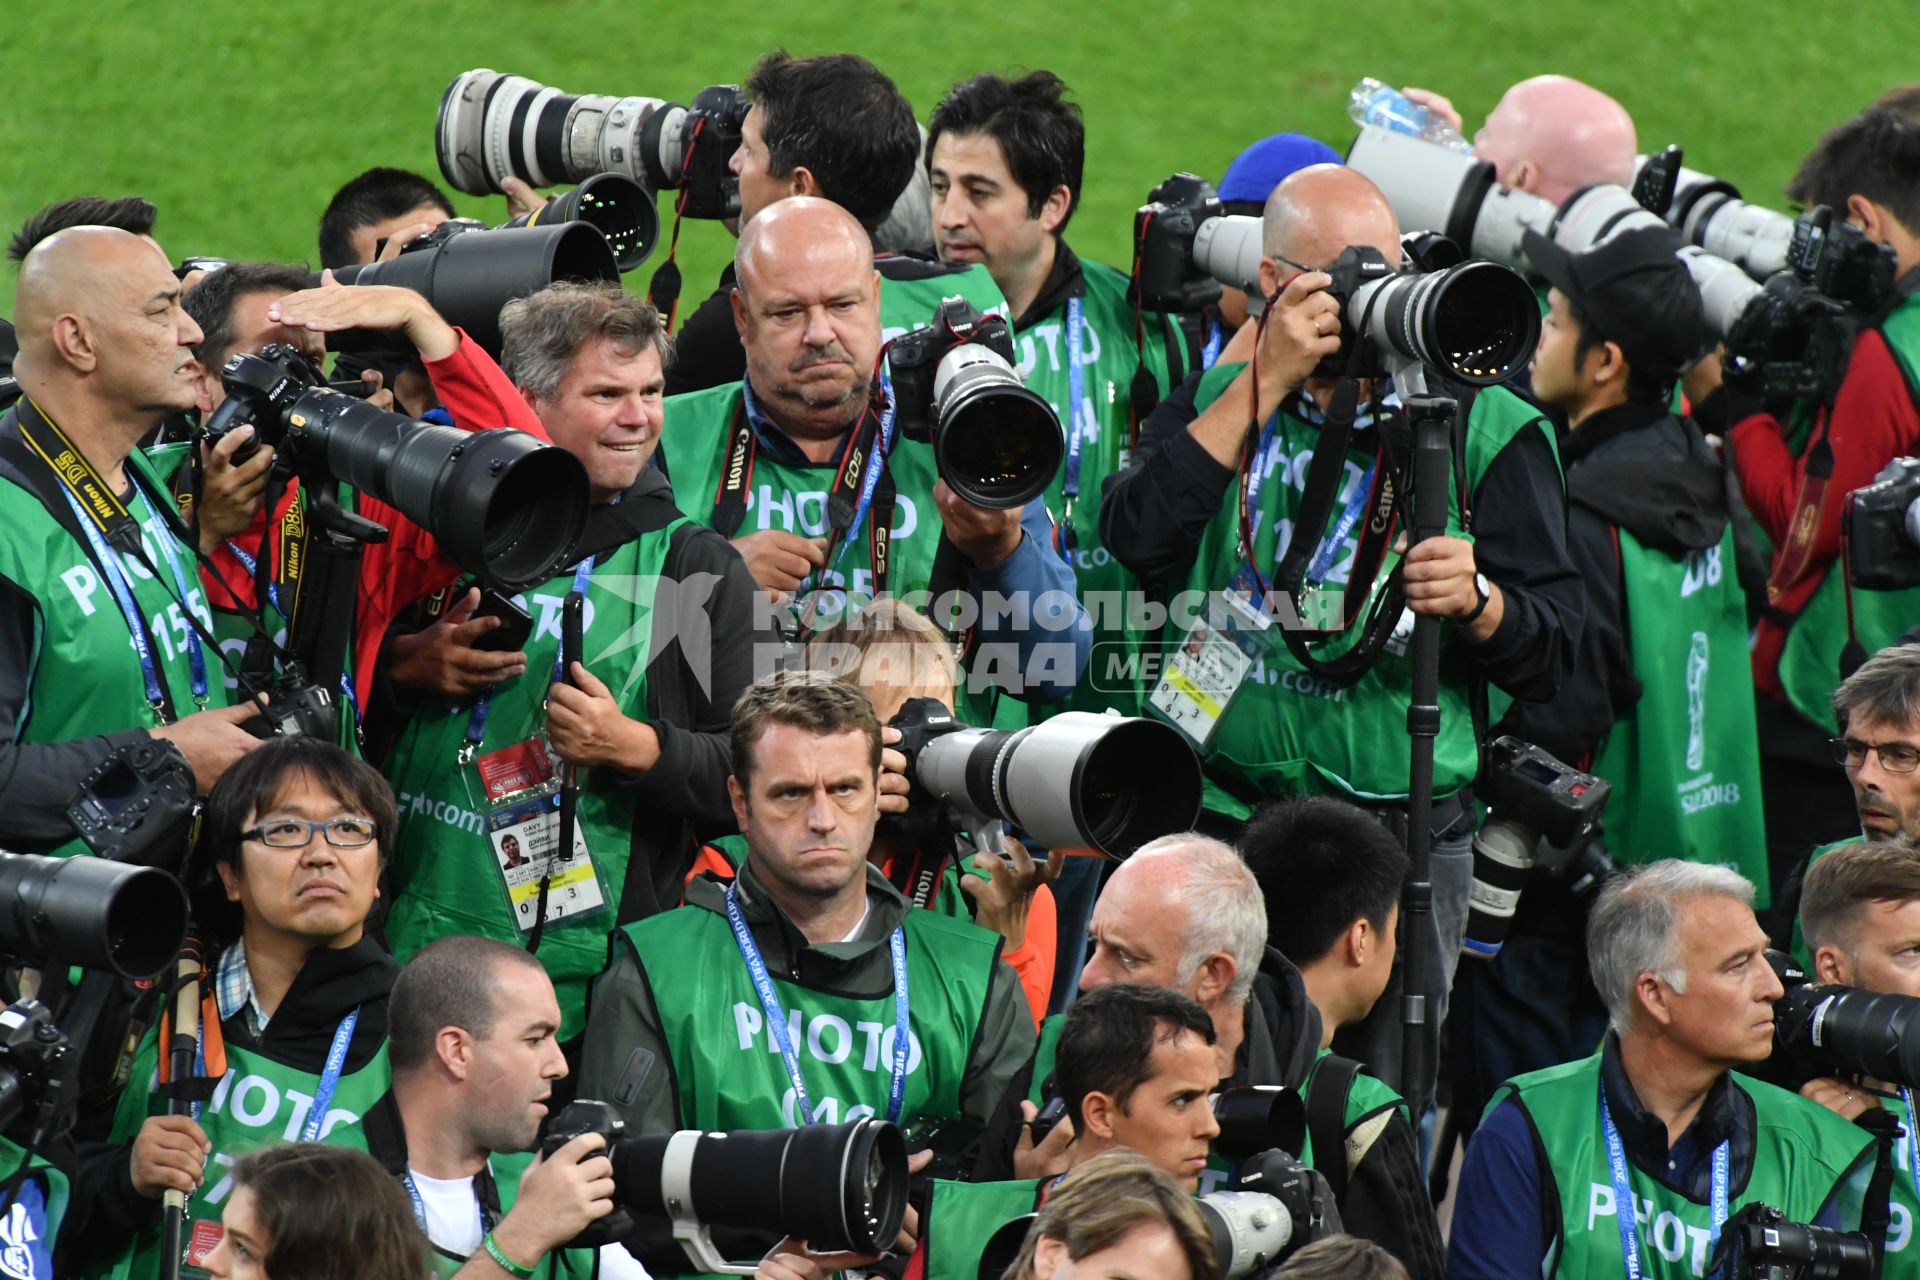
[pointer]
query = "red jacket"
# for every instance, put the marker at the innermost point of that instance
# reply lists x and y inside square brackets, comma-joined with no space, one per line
[409,564]
[1873,419]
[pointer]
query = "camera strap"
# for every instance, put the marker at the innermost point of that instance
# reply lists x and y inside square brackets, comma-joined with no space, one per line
[1077,431]
[1623,1214]
[782,1033]
[104,521]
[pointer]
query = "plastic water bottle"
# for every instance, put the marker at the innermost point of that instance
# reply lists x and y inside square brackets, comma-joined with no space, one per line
[1385,107]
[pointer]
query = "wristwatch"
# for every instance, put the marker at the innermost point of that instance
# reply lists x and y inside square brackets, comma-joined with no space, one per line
[1483,589]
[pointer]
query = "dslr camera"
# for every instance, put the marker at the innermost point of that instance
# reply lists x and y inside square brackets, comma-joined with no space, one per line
[503,505]
[1760,1243]
[1530,796]
[1825,1029]
[1883,529]
[953,385]
[840,1187]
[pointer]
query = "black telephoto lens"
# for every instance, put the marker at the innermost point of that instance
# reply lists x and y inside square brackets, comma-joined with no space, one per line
[621,209]
[92,913]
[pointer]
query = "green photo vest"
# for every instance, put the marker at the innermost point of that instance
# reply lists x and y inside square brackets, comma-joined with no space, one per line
[86,677]
[962,1217]
[1803,1153]
[1810,658]
[446,877]
[1685,761]
[1288,731]
[727,1064]
[1108,360]
[257,1103]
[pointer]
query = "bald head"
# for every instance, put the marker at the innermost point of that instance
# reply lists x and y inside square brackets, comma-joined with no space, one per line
[98,311]
[800,233]
[807,306]
[1320,210]
[1183,912]
[1552,135]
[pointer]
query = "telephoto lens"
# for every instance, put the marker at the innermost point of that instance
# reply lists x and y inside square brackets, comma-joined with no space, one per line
[1250,1231]
[1477,323]
[1709,212]
[468,275]
[1083,783]
[93,913]
[613,204]
[1258,1117]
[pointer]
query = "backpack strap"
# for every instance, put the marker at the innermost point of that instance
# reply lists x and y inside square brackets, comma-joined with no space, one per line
[1327,1118]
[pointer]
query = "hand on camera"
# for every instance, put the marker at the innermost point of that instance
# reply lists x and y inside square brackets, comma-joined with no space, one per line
[443,661]
[587,727]
[780,561]
[1848,1101]
[168,1154]
[1703,379]
[1001,901]
[1302,328]
[1439,581]
[397,242]
[791,1260]
[560,1195]
[230,493]
[986,538]
[333,307]
[893,773]
[211,741]
[1050,1156]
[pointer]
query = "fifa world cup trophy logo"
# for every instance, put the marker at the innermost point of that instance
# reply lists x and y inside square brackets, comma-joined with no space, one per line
[1697,701]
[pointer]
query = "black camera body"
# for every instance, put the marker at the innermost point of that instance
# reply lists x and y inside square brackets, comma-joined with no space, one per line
[1357,266]
[1836,260]
[1525,784]
[1759,1242]
[996,444]
[1825,1029]
[137,805]
[33,1059]
[570,1122]
[1883,529]
[1165,275]
[708,186]
[298,708]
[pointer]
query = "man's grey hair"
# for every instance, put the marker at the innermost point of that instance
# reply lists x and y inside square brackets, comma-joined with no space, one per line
[1225,911]
[1632,930]
[1886,688]
[542,333]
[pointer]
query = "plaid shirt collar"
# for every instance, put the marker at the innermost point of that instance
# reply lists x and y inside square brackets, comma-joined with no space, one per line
[233,989]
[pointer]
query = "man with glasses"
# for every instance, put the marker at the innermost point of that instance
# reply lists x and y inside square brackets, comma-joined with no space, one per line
[286,872]
[1878,710]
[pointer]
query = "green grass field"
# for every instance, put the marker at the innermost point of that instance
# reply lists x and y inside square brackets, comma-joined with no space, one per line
[239,119]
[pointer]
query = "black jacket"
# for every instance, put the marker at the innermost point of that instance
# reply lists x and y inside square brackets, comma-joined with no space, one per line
[300,1033]
[1152,516]
[1383,1195]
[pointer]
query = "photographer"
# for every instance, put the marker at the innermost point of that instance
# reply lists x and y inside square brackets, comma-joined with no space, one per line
[690,1025]
[1657,1128]
[245,306]
[1550,136]
[382,204]
[668,626]
[1660,697]
[95,648]
[1136,1067]
[1860,915]
[475,1056]
[1510,596]
[285,874]
[1796,465]
[768,448]
[1116,1214]
[832,126]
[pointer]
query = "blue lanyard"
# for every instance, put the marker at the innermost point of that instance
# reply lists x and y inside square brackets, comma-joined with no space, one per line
[1623,1194]
[782,1034]
[1077,430]
[1216,339]
[252,567]
[330,1077]
[477,720]
[1330,545]
[123,595]
[1258,479]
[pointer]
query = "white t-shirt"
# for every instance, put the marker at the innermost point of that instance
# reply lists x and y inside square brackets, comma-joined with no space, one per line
[453,1225]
